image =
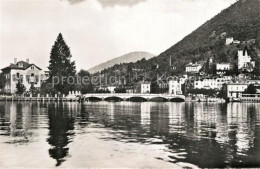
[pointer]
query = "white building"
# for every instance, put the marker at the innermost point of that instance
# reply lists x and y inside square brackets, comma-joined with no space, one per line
[193,68]
[245,62]
[28,74]
[236,42]
[229,41]
[143,87]
[175,87]
[234,90]
[222,68]
[111,89]
[212,83]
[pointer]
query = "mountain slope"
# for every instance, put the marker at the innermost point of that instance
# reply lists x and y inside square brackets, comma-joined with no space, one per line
[240,21]
[127,58]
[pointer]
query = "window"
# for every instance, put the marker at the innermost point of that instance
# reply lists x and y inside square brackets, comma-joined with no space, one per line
[32,74]
[32,67]
[18,75]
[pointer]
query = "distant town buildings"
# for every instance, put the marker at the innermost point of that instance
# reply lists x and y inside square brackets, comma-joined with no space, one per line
[27,73]
[212,83]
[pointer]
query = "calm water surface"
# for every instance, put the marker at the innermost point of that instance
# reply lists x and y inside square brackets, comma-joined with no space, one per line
[127,134]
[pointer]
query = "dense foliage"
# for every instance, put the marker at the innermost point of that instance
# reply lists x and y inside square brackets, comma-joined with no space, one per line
[20,88]
[2,80]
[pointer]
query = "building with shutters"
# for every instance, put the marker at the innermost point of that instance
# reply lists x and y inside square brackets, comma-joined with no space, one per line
[27,73]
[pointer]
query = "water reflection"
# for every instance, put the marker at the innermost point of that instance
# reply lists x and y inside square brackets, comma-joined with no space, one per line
[193,132]
[61,126]
[199,134]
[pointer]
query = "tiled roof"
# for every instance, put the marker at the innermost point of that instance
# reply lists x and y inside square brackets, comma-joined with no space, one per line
[24,67]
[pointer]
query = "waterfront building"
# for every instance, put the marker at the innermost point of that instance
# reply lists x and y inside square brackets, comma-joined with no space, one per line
[193,68]
[245,62]
[130,91]
[143,87]
[175,87]
[234,90]
[163,87]
[212,83]
[27,73]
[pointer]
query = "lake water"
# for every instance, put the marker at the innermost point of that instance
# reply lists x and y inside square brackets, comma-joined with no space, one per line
[129,134]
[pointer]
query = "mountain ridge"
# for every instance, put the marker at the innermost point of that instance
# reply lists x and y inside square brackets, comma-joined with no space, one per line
[126,58]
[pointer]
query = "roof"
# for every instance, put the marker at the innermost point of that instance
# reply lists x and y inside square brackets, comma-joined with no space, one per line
[223,63]
[24,67]
[193,65]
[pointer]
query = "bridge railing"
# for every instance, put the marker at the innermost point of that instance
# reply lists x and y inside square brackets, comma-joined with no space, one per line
[130,95]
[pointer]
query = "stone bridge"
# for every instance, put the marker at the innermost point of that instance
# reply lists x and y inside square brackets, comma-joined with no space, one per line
[130,96]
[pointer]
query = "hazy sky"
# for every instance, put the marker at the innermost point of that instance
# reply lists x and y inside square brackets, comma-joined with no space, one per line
[98,30]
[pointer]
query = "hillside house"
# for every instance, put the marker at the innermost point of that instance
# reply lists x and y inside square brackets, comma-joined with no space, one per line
[193,68]
[222,68]
[245,62]
[229,41]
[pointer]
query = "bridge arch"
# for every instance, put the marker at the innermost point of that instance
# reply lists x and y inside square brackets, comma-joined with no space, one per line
[93,98]
[159,98]
[113,98]
[177,99]
[137,99]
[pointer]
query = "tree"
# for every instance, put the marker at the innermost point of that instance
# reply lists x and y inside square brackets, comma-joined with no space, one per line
[85,85]
[46,88]
[61,67]
[120,90]
[20,88]
[154,87]
[2,80]
[130,68]
[251,89]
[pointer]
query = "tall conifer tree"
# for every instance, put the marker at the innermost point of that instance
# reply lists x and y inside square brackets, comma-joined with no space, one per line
[60,65]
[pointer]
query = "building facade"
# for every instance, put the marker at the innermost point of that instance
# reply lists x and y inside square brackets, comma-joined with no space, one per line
[28,74]
[111,89]
[234,90]
[175,87]
[245,62]
[229,40]
[212,83]
[222,68]
[193,68]
[143,87]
